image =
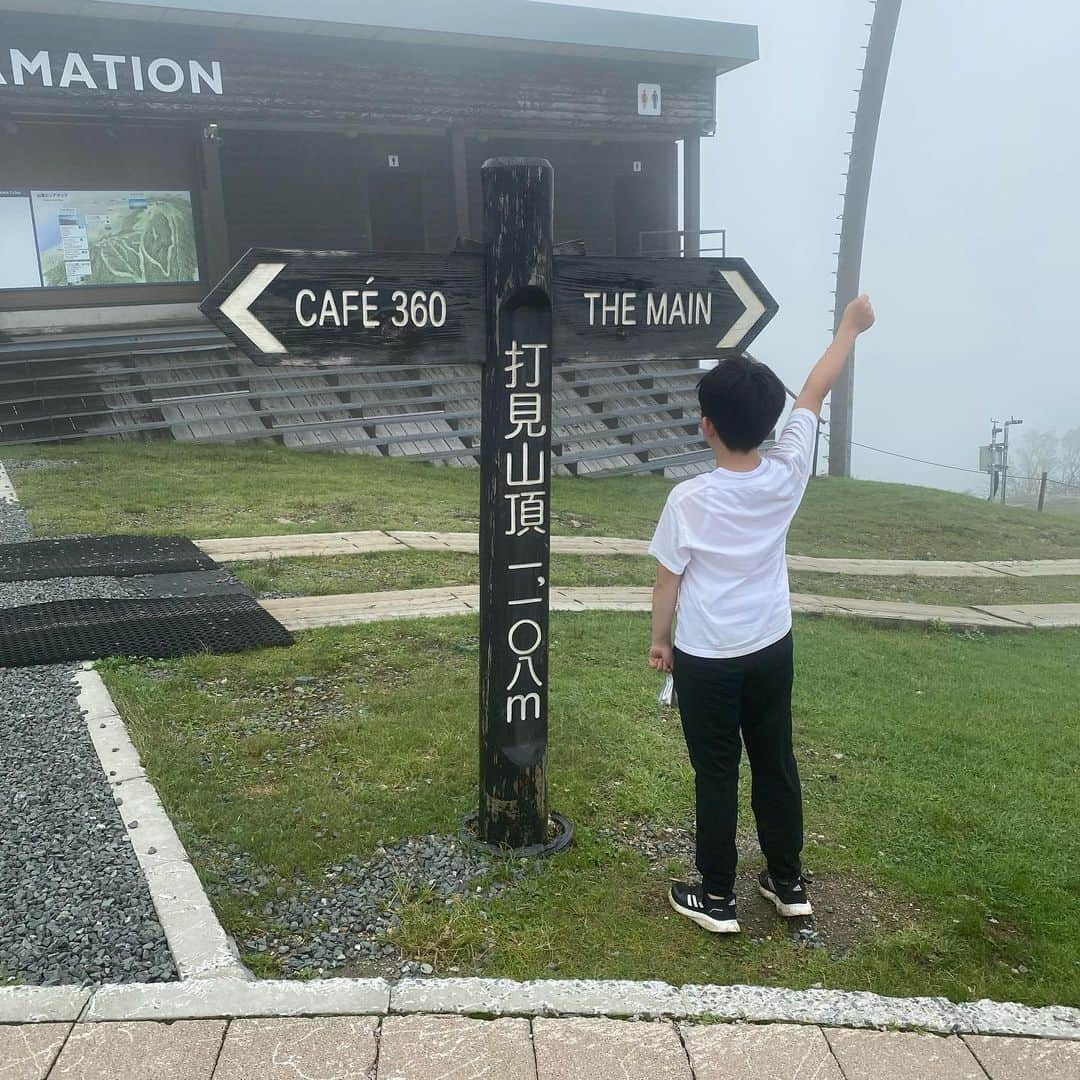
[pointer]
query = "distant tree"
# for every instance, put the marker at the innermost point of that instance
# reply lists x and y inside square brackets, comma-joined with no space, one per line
[1068,471]
[1039,452]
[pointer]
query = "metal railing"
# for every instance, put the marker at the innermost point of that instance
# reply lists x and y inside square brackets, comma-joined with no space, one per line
[669,242]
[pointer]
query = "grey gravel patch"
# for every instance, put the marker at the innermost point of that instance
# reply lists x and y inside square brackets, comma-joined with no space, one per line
[344,921]
[39,464]
[14,528]
[74,905]
[21,593]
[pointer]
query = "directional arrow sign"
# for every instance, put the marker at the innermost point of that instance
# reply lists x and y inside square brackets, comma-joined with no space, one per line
[656,308]
[517,310]
[314,308]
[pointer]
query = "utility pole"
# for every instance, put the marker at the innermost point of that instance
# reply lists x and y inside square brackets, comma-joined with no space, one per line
[1005,457]
[993,460]
[853,223]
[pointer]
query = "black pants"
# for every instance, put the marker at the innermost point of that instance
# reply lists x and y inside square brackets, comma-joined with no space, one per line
[718,699]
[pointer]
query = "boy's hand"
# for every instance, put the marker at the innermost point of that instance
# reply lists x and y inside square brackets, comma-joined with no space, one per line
[859,314]
[661,658]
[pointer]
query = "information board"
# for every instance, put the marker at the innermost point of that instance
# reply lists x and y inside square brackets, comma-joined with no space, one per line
[115,237]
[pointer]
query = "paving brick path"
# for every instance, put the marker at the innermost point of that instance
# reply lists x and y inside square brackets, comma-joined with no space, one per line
[433,1047]
[309,612]
[250,548]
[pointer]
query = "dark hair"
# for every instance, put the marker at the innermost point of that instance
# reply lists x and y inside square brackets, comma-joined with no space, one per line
[743,398]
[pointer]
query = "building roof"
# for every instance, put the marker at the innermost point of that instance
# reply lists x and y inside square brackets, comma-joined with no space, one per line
[519,25]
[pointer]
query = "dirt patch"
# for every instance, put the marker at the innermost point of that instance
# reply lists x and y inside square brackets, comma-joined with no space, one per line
[847,908]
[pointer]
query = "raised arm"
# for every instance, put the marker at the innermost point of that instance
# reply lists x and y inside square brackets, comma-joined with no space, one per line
[858,316]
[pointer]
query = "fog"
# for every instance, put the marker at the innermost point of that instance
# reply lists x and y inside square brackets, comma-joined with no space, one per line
[973,230]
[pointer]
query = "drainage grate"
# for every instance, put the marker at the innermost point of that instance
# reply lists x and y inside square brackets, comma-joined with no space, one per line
[101,556]
[92,629]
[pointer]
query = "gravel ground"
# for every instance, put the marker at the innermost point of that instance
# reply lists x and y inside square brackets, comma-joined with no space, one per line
[74,906]
[13,525]
[19,593]
[342,923]
[38,464]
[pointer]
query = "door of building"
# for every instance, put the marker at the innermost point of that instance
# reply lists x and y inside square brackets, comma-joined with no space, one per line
[396,202]
[640,206]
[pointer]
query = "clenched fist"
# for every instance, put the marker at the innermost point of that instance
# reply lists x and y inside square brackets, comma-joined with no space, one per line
[661,658]
[859,314]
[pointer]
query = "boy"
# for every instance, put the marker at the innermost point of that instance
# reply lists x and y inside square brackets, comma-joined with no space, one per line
[720,548]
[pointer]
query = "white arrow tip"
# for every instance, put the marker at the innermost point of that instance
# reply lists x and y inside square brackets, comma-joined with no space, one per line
[237,307]
[749,318]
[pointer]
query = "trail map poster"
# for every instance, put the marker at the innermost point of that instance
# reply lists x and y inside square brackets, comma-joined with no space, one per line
[114,237]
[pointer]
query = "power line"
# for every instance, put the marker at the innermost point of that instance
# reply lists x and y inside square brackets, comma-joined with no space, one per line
[942,465]
[906,457]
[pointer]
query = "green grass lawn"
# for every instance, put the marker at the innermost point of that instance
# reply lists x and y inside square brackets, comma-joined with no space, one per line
[260,489]
[940,774]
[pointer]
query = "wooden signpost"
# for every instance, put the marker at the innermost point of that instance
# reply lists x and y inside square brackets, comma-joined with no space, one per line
[518,309]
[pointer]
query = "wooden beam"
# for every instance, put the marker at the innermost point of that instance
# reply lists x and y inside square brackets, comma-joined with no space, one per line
[461,181]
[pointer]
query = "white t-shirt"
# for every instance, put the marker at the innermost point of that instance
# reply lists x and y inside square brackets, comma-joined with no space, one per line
[726,533]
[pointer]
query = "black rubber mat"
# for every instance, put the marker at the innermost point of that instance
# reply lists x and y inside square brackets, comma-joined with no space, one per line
[101,556]
[199,583]
[92,629]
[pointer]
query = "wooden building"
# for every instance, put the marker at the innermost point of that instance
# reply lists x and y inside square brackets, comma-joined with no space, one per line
[144,146]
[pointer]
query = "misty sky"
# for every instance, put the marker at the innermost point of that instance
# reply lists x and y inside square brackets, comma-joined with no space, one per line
[973,237]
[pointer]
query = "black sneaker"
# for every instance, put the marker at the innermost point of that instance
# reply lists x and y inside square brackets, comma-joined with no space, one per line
[717,916]
[788,899]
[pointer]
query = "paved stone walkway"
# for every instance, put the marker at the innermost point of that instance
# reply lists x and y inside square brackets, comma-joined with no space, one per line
[310,612]
[428,1047]
[254,548]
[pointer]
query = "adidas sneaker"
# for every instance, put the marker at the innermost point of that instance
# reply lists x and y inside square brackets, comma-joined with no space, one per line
[788,899]
[716,916]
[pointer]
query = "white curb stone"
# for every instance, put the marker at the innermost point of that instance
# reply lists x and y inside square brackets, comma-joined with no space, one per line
[1004,1018]
[832,1008]
[7,489]
[41,1004]
[199,945]
[543,997]
[232,997]
[117,755]
[212,998]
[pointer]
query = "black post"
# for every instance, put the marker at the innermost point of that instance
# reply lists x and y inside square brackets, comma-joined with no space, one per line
[515,478]
[215,233]
[692,196]
[1042,491]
